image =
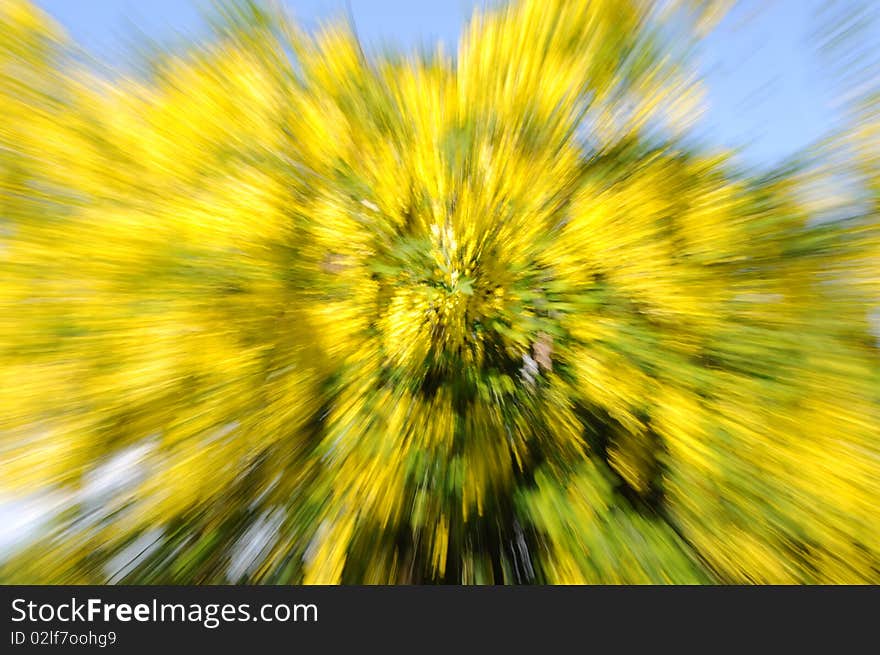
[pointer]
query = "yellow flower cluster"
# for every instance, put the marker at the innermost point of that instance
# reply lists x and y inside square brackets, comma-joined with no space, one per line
[282,312]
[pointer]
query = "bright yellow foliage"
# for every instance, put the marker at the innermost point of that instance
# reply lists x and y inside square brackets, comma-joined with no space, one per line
[396,319]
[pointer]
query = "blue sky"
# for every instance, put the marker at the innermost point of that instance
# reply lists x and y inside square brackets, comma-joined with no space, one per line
[772,89]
